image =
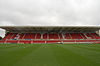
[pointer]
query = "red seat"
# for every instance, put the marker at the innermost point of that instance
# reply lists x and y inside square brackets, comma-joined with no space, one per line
[49,37]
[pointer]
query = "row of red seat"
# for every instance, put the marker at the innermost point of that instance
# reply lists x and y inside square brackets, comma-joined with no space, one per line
[52,36]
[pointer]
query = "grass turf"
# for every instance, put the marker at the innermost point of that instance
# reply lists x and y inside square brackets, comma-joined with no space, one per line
[49,55]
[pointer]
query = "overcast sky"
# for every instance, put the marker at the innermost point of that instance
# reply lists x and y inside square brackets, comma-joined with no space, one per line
[49,12]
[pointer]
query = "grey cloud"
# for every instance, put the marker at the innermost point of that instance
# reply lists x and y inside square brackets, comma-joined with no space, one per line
[49,12]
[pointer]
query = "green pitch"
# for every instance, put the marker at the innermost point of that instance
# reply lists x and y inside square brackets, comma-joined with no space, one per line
[49,55]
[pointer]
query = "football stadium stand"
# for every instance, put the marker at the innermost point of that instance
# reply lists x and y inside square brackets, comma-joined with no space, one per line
[51,34]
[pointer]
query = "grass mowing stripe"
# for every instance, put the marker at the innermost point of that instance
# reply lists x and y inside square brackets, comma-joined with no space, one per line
[89,45]
[5,46]
[89,48]
[49,55]
[68,58]
[41,57]
[95,46]
[14,56]
[89,54]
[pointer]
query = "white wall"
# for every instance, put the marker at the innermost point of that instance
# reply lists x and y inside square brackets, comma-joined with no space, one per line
[98,32]
[2,33]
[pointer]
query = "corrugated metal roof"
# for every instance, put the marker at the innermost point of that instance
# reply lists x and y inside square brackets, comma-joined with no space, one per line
[51,28]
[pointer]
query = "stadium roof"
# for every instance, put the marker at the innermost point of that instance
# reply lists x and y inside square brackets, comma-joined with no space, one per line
[51,28]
